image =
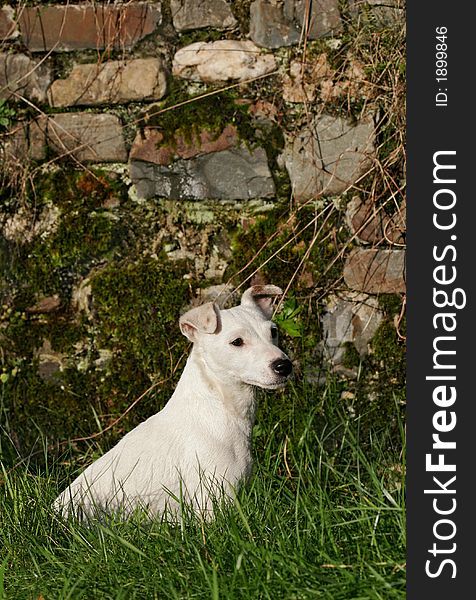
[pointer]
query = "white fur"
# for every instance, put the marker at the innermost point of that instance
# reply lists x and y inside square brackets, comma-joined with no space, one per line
[199,445]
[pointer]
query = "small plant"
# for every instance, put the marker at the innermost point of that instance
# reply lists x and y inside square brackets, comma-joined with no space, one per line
[288,318]
[7,114]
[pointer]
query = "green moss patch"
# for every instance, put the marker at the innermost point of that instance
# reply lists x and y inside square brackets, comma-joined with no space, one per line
[212,113]
[86,233]
[281,246]
[137,306]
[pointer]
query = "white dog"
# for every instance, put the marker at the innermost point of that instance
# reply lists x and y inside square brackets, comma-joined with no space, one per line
[198,447]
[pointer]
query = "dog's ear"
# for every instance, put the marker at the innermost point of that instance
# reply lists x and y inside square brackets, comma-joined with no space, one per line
[261,297]
[202,319]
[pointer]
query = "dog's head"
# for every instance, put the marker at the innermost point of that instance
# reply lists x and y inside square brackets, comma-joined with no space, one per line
[240,343]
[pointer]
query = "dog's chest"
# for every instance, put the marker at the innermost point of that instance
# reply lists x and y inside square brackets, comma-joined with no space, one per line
[237,462]
[225,452]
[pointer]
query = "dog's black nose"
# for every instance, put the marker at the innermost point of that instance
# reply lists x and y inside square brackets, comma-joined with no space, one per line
[282,366]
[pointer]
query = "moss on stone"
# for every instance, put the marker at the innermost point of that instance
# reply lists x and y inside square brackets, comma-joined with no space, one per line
[136,305]
[136,308]
[34,406]
[381,384]
[277,242]
[19,338]
[275,247]
[211,113]
[24,334]
[85,235]
[389,353]
[389,349]
[391,304]
[351,358]
[205,34]
[241,12]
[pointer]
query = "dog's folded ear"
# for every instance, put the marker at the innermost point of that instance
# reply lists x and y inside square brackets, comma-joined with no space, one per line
[202,319]
[261,297]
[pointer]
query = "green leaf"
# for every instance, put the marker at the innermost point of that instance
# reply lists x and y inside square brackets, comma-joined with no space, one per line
[288,318]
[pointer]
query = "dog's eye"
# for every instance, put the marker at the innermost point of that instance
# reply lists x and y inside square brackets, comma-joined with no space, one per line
[274,332]
[237,342]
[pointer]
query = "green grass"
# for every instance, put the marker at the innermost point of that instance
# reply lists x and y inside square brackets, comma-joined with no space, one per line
[322,517]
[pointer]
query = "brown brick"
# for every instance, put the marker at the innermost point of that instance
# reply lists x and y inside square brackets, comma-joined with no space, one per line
[75,27]
[110,82]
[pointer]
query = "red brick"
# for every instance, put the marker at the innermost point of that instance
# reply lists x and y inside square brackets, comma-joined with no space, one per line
[147,147]
[75,27]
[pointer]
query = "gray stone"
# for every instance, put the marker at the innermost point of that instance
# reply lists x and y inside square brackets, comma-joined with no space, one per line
[50,363]
[217,264]
[324,19]
[104,360]
[329,156]
[110,82]
[196,14]
[365,220]
[23,142]
[82,297]
[234,174]
[274,23]
[383,13]
[304,79]
[14,147]
[376,271]
[85,136]
[353,318]
[21,76]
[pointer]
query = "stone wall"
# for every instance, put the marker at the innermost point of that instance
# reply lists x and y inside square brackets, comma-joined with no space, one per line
[216,141]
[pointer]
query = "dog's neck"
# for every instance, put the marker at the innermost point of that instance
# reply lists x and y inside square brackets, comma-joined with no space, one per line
[236,399]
